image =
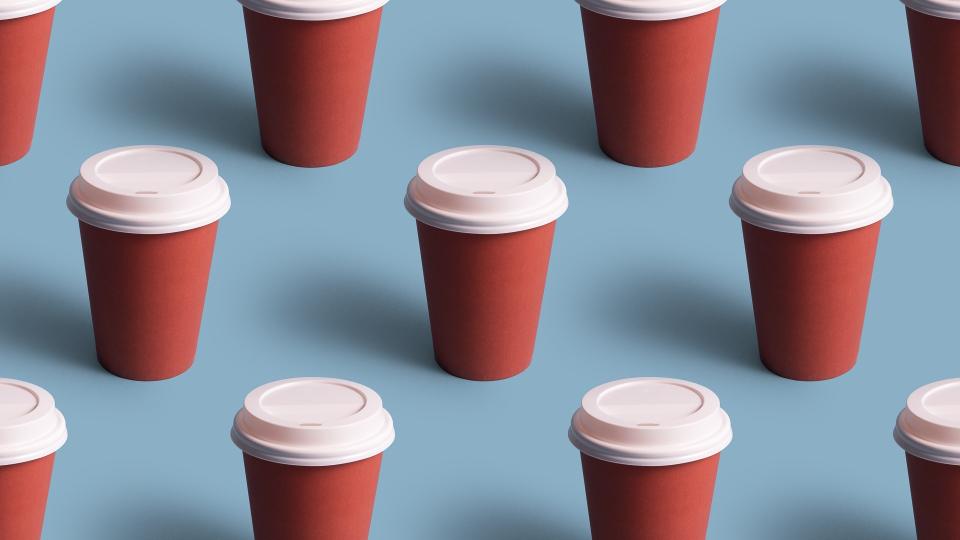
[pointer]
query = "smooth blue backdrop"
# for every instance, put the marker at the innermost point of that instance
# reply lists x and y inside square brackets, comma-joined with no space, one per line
[317,271]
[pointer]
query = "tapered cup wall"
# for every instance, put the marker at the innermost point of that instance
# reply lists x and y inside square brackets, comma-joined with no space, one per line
[484,293]
[649,81]
[936,496]
[810,298]
[23,55]
[23,498]
[146,296]
[936,47]
[311,80]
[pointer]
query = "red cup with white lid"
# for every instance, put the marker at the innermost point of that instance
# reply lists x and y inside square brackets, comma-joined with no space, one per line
[928,429]
[148,219]
[25,27]
[32,430]
[650,449]
[486,217]
[811,222]
[304,439]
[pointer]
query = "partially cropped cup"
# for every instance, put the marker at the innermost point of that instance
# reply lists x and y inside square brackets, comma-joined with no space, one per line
[485,217]
[148,223]
[649,65]
[32,430]
[650,449]
[935,40]
[25,27]
[312,61]
[312,450]
[811,222]
[928,430]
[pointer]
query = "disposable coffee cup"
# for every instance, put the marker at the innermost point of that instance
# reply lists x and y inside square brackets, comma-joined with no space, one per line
[311,62]
[24,38]
[148,223]
[32,430]
[928,430]
[312,449]
[649,64]
[650,449]
[935,40]
[485,217]
[811,221]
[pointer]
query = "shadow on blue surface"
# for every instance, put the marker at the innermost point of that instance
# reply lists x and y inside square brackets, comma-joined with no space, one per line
[496,520]
[516,97]
[37,318]
[164,519]
[684,312]
[859,101]
[844,521]
[360,312]
[184,96]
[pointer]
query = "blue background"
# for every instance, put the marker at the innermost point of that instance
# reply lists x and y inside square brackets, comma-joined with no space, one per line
[317,271]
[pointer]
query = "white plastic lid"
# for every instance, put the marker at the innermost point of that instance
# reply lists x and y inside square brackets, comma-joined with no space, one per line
[14,9]
[31,427]
[149,190]
[651,10]
[486,190]
[650,422]
[929,426]
[811,190]
[313,422]
[947,9]
[313,10]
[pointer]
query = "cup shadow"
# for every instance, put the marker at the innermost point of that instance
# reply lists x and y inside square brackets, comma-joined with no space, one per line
[856,100]
[519,98]
[838,522]
[185,97]
[166,519]
[47,322]
[495,520]
[684,311]
[361,312]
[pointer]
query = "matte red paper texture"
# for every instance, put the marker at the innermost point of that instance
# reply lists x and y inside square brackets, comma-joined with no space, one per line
[312,503]
[649,503]
[146,297]
[23,55]
[649,82]
[936,47]
[311,80]
[484,293]
[810,298]
[936,498]
[23,498]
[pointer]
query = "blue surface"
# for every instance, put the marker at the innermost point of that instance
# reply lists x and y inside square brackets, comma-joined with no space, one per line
[317,271]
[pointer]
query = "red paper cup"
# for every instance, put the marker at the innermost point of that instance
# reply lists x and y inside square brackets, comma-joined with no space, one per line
[312,453]
[927,429]
[31,431]
[311,75]
[811,221]
[148,224]
[935,39]
[649,69]
[486,217]
[24,38]
[650,450]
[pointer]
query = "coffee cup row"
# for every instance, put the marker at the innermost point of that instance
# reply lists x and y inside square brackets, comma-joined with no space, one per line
[649,448]
[486,218]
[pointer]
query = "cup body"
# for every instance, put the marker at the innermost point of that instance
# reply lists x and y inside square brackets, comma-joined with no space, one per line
[147,294]
[484,293]
[311,80]
[649,81]
[23,55]
[629,502]
[290,502]
[935,488]
[810,298]
[936,44]
[24,488]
